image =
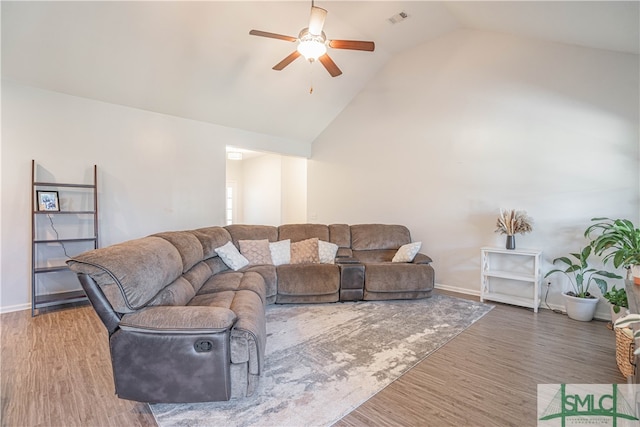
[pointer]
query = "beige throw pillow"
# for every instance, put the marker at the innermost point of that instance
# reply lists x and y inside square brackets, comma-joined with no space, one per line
[305,252]
[256,251]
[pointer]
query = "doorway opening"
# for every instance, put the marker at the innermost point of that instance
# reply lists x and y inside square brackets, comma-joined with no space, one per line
[265,188]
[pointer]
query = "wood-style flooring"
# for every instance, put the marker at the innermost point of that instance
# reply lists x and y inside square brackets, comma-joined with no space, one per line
[55,371]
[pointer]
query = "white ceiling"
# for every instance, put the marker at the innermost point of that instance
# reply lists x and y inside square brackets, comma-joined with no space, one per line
[197,60]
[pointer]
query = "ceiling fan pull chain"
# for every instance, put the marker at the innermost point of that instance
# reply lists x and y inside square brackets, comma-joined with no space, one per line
[310,78]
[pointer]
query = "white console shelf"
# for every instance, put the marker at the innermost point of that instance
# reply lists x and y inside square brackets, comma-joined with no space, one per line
[529,275]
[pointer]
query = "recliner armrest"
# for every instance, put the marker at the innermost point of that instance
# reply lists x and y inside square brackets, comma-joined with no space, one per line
[421,259]
[179,320]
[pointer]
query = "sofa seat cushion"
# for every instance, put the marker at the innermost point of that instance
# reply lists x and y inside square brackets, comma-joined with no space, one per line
[398,277]
[268,273]
[249,334]
[308,279]
[235,281]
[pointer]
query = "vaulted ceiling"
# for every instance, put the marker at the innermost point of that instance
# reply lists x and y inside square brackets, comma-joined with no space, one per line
[197,60]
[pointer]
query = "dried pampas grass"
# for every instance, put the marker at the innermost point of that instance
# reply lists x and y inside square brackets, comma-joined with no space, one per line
[512,222]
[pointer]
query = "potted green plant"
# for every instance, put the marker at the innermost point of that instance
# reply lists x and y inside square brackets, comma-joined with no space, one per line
[618,300]
[619,241]
[579,303]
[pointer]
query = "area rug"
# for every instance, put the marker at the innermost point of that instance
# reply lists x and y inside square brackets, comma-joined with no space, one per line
[324,360]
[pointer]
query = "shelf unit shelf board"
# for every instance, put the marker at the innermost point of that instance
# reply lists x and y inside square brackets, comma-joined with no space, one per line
[62,185]
[48,300]
[511,276]
[79,239]
[512,299]
[40,270]
[65,212]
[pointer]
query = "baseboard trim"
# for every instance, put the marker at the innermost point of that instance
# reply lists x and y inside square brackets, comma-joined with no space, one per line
[543,305]
[457,289]
[17,307]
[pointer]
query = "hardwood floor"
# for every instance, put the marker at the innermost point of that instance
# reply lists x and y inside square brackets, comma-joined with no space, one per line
[55,371]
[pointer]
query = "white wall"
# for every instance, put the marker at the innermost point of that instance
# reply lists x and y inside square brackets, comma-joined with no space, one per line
[451,131]
[294,190]
[272,189]
[262,190]
[155,172]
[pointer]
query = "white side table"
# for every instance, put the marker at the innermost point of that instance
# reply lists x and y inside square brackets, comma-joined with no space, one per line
[528,274]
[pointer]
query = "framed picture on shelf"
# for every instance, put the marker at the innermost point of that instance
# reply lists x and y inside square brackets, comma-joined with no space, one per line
[47,200]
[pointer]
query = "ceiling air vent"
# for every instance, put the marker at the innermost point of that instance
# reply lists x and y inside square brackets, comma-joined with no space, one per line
[398,17]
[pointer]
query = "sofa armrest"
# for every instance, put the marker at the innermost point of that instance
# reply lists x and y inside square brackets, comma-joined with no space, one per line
[179,320]
[421,259]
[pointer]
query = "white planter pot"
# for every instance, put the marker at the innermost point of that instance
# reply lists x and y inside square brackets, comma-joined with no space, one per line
[582,309]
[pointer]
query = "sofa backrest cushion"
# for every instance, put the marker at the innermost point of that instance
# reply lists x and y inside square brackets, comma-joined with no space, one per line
[210,239]
[340,234]
[366,237]
[251,232]
[298,232]
[187,244]
[130,274]
[374,255]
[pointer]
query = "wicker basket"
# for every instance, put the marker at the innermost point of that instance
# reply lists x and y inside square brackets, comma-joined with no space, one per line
[624,351]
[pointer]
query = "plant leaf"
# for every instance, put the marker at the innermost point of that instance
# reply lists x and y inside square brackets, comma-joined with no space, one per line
[601,284]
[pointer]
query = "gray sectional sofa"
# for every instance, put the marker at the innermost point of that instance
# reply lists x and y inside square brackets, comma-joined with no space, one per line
[185,327]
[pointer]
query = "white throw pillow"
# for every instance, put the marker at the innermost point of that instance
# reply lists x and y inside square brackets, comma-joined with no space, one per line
[231,256]
[407,252]
[327,252]
[280,252]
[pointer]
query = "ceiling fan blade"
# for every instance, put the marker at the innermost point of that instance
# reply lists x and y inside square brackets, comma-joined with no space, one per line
[352,45]
[272,35]
[316,22]
[286,61]
[331,66]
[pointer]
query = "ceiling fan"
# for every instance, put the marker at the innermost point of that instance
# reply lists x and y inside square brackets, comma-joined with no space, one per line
[313,43]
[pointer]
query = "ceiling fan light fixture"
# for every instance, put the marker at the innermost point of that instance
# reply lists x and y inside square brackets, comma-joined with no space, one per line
[311,46]
[312,49]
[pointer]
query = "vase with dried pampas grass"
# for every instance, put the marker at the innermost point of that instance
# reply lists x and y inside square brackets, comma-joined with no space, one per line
[512,222]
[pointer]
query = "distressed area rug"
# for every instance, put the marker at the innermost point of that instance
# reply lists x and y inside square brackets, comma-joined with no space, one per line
[324,360]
